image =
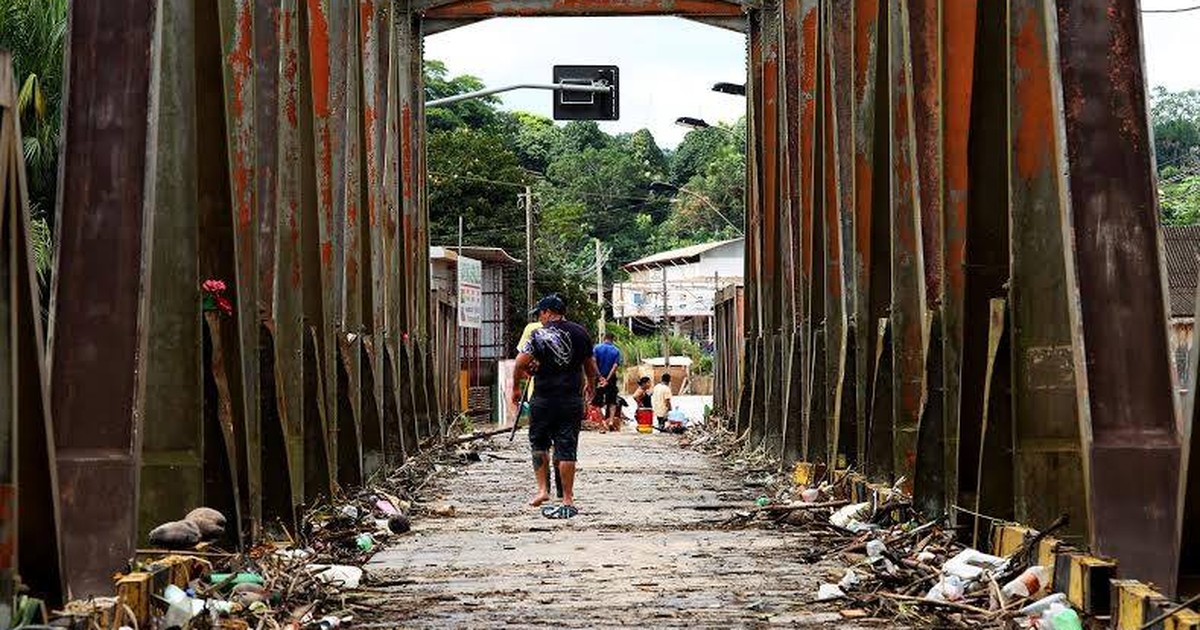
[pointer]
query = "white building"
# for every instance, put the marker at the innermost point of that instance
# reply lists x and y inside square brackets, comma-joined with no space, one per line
[692,276]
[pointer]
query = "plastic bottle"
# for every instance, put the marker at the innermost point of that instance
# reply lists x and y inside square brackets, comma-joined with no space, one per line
[1030,582]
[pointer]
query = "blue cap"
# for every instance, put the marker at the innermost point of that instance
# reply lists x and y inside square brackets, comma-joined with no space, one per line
[551,303]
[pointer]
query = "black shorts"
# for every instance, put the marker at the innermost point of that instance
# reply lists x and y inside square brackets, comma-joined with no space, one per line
[607,394]
[556,422]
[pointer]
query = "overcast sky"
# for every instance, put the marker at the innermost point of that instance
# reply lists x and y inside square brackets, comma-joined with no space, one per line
[668,65]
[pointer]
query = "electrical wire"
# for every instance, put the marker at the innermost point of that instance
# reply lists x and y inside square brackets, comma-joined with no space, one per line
[1179,10]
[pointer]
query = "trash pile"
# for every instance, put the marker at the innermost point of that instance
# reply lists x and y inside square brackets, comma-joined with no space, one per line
[895,565]
[300,581]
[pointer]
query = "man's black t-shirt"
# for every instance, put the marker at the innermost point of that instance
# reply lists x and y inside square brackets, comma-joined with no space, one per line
[560,348]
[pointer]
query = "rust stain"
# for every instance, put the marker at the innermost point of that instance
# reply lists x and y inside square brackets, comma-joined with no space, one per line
[326,254]
[1033,97]
[866,16]
[241,57]
[808,88]
[959,43]
[406,165]
[833,239]
[318,43]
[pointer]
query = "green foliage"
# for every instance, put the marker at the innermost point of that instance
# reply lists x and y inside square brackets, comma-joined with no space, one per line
[587,184]
[1176,120]
[35,32]
[635,348]
[1179,197]
[475,113]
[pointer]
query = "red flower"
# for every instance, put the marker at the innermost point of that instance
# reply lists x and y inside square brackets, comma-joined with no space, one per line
[225,305]
[213,286]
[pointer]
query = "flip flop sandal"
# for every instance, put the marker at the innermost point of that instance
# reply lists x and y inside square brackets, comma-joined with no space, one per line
[561,512]
[550,510]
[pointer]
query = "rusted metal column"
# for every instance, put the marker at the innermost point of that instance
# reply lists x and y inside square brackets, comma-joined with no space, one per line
[29,518]
[349,325]
[958,58]
[283,412]
[173,439]
[758,287]
[862,319]
[879,438]
[908,282]
[1048,462]
[326,35]
[236,18]
[407,47]
[843,416]
[772,136]
[986,255]
[98,323]
[994,494]
[269,118]
[816,434]
[376,40]
[925,31]
[793,383]
[1124,382]
[796,441]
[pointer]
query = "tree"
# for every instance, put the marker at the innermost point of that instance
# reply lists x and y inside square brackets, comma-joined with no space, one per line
[1176,124]
[699,147]
[535,139]
[1176,119]
[474,113]
[35,32]
[475,176]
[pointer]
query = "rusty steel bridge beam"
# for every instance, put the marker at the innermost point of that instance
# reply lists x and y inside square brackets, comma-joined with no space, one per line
[98,332]
[1047,459]
[1132,434]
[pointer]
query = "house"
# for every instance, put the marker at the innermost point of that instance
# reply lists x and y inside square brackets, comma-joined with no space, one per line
[467,356]
[691,275]
[1181,247]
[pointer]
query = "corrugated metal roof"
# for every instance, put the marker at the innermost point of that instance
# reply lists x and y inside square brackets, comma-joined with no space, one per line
[1181,247]
[485,254]
[677,256]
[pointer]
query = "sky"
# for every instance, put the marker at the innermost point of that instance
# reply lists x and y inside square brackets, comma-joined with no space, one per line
[668,65]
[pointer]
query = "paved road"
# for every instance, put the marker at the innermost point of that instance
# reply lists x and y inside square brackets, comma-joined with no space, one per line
[637,555]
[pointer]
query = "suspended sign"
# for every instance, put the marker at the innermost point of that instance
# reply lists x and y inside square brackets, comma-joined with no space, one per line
[470,293]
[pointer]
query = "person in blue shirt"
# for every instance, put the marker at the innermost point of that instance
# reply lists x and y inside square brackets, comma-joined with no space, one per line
[608,360]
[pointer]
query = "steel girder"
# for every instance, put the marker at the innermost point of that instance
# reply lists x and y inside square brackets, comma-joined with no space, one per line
[970,263]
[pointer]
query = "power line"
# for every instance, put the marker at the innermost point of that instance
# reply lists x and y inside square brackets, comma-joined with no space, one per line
[518,185]
[1179,10]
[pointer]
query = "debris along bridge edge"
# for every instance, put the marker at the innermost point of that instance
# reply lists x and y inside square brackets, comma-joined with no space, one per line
[913,164]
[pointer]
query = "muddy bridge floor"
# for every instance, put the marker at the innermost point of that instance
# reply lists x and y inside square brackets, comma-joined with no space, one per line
[638,554]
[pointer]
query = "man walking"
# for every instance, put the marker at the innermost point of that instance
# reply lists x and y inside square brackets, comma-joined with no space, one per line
[608,360]
[565,379]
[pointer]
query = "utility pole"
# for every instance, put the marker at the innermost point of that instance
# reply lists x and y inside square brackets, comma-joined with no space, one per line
[460,231]
[528,199]
[600,286]
[666,322]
